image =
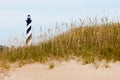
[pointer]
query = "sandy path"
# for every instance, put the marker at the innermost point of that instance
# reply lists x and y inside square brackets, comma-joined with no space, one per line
[66,71]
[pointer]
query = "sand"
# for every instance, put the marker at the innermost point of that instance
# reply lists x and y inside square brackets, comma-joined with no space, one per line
[71,70]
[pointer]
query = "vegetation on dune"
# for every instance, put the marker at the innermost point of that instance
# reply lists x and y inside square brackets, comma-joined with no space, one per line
[88,43]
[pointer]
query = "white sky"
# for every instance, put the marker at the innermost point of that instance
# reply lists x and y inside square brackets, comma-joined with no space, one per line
[46,13]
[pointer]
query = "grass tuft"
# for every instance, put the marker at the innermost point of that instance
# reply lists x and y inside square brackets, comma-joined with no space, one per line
[51,65]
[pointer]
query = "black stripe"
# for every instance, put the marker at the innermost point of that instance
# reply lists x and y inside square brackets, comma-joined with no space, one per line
[28,21]
[28,30]
[29,38]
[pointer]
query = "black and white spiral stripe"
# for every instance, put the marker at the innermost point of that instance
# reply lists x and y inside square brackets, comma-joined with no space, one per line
[29,33]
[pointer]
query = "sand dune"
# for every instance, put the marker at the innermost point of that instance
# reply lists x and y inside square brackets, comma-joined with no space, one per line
[71,70]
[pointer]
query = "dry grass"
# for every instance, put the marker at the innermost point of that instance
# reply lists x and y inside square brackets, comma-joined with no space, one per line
[91,43]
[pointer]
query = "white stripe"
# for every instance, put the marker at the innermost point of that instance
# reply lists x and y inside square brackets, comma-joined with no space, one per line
[30,42]
[29,26]
[29,34]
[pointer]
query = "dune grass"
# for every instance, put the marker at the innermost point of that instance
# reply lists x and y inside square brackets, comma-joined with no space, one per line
[88,43]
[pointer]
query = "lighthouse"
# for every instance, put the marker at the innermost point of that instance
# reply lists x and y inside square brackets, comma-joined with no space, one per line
[29,30]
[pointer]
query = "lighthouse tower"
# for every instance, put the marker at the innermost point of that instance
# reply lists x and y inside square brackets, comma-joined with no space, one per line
[29,31]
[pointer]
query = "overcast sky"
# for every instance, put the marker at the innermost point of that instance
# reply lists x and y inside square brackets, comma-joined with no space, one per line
[45,13]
